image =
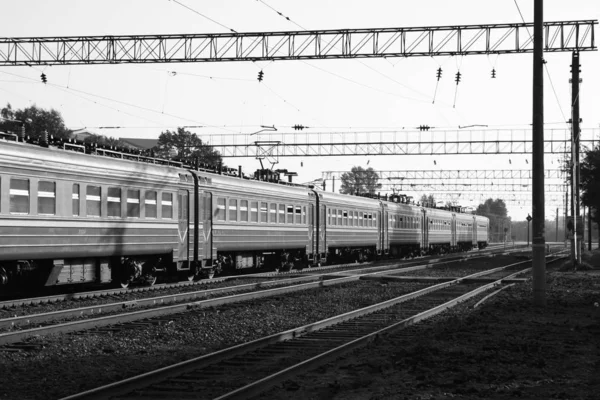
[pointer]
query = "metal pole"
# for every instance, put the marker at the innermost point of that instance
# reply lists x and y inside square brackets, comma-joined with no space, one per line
[575,125]
[556,224]
[589,229]
[538,242]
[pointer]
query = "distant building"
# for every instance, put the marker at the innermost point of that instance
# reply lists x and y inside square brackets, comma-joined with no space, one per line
[82,134]
[142,144]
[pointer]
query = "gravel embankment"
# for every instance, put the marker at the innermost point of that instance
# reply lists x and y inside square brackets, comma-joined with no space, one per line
[63,365]
[506,349]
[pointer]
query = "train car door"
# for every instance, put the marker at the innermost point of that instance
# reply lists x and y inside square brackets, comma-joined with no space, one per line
[453,231]
[385,225]
[205,242]
[425,230]
[183,226]
[322,218]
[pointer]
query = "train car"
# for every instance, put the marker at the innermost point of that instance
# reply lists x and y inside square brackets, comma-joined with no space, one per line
[438,235]
[68,217]
[405,229]
[482,231]
[352,227]
[256,224]
[464,227]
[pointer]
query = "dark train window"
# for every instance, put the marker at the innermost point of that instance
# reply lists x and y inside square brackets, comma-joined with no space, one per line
[290,215]
[92,201]
[233,209]
[167,205]
[220,210]
[113,207]
[281,214]
[46,198]
[19,196]
[75,197]
[298,215]
[254,211]
[133,203]
[264,212]
[244,210]
[150,204]
[273,213]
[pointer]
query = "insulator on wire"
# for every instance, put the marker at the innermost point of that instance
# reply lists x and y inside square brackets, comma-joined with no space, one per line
[457,79]
[43,76]
[493,73]
[260,76]
[439,73]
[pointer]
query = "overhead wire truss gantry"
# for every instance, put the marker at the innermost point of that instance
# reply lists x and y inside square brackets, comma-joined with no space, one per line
[297,45]
[402,142]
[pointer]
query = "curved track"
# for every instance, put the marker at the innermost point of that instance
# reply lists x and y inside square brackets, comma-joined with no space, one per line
[245,370]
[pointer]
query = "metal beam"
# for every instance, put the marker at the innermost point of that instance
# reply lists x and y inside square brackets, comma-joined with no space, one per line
[446,175]
[425,41]
[510,141]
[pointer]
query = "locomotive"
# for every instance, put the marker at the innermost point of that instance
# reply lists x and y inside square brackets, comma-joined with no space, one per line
[70,217]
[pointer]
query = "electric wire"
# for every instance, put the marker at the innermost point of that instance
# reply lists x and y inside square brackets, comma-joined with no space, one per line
[204,16]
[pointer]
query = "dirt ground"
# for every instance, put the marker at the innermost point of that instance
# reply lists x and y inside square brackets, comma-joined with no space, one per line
[507,348]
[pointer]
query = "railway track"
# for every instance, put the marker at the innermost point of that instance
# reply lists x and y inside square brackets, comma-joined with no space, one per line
[18,328]
[146,290]
[248,369]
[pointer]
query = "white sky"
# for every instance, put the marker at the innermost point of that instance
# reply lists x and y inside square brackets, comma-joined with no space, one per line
[326,95]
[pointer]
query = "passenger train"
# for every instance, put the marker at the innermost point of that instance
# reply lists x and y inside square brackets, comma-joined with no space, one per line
[69,217]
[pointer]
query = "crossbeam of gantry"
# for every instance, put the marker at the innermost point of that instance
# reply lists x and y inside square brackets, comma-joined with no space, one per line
[559,36]
[469,187]
[514,199]
[404,142]
[397,176]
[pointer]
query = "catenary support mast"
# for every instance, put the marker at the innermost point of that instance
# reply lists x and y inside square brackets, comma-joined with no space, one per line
[538,242]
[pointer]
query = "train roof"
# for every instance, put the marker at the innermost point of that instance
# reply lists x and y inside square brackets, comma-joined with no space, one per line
[32,156]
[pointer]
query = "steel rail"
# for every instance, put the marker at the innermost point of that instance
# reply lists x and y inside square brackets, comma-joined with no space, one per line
[144,380]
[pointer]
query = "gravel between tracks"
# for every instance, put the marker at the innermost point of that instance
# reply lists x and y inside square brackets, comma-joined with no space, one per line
[506,349]
[67,364]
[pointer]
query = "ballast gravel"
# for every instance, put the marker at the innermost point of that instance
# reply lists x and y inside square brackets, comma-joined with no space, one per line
[57,366]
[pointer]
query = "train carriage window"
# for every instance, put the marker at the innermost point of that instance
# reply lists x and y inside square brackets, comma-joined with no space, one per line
[345,217]
[220,210]
[281,214]
[298,215]
[244,210]
[369,219]
[19,196]
[133,203]
[113,206]
[92,201]
[304,215]
[329,216]
[290,215]
[361,218]
[376,219]
[254,211]
[150,204]
[264,210]
[233,209]
[46,198]
[333,217]
[339,217]
[273,213]
[75,199]
[167,206]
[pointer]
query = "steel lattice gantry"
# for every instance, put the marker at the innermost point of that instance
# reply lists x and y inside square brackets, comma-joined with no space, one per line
[297,45]
[470,187]
[448,175]
[515,199]
[435,142]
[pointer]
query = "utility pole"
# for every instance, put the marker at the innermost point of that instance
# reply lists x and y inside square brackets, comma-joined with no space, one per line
[537,201]
[556,224]
[575,243]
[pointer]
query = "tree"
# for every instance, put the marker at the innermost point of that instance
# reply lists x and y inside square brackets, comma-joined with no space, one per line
[495,210]
[590,182]
[427,201]
[185,146]
[360,181]
[41,121]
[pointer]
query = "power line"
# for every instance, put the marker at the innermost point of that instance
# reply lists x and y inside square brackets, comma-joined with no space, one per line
[204,16]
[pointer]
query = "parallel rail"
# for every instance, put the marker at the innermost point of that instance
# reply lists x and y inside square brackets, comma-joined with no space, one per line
[307,346]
